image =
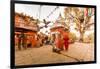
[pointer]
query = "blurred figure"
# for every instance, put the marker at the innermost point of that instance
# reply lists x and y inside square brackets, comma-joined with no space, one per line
[22,41]
[53,41]
[66,39]
[59,41]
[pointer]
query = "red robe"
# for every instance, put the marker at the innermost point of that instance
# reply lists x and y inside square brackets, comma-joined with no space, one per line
[66,40]
[59,43]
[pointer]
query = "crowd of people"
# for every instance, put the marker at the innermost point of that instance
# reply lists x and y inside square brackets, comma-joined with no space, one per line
[58,40]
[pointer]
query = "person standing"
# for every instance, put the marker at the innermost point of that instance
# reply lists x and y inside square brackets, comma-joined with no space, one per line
[22,41]
[19,42]
[53,41]
[66,39]
[58,42]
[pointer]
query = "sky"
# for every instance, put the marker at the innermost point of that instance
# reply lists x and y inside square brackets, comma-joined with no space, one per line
[35,12]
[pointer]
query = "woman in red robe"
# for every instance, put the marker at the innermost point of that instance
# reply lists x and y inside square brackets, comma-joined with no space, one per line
[66,39]
[59,42]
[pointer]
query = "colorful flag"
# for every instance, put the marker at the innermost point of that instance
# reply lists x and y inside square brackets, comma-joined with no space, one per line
[90,12]
[86,11]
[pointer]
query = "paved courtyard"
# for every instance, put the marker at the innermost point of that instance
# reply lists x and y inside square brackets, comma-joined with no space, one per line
[78,52]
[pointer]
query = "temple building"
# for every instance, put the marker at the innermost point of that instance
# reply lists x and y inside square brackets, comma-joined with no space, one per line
[27,26]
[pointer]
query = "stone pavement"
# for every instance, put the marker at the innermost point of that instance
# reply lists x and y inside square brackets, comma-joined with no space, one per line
[44,55]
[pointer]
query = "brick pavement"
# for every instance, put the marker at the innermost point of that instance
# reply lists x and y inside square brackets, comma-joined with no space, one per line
[44,55]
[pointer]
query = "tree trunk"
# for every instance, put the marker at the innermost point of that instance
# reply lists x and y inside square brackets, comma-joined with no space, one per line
[81,36]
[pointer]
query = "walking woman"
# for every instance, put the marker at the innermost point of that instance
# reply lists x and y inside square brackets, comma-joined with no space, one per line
[59,41]
[66,39]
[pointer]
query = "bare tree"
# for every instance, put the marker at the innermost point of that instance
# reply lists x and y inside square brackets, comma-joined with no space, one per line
[77,16]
